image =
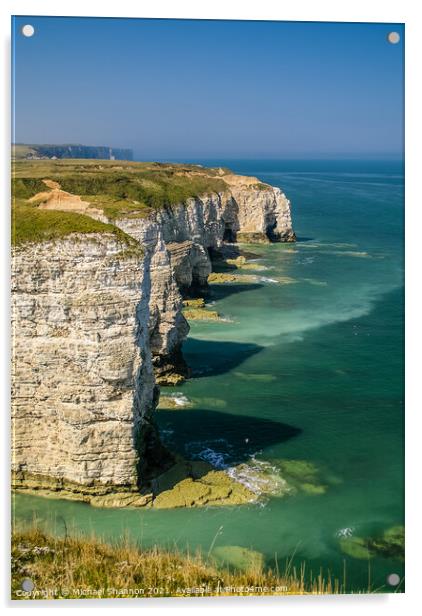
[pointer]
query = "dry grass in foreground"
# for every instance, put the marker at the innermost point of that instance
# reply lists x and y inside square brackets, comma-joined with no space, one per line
[47,567]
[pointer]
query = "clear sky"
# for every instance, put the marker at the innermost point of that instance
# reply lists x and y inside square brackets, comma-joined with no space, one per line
[186,89]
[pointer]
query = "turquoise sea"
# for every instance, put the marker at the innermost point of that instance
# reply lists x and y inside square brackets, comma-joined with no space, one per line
[307,367]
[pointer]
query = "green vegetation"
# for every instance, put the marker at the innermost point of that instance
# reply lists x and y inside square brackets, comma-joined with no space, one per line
[118,188]
[25,188]
[77,567]
[31,225]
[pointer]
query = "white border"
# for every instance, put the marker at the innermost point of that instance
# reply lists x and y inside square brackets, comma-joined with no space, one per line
[297,10]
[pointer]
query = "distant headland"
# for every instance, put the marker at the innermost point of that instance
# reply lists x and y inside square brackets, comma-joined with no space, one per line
[69,150]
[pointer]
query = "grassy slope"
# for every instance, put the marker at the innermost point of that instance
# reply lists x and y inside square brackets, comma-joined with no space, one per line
[31,225]
[119,188]
[86,563]
[20,151]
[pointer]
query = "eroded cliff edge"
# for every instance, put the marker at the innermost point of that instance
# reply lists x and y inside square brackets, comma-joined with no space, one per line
[97,310]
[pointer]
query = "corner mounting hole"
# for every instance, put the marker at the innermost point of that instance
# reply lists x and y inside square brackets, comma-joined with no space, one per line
[393,579]
[28,30]
[393,38]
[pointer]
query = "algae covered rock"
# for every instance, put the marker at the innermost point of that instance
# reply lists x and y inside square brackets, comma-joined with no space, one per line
[196,483]
[389,545]
[201,314]
[186,493]
[219,277]
[237,262]
[173,378]
[197,302]
[242,263]
[238,557]
[222,278]
[174,401]
[261,477]
[122,500]
[195,310]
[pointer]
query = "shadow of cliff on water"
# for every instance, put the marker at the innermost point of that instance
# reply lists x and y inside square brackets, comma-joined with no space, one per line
[218,437]
[244,435]
[220,291]
[210,358]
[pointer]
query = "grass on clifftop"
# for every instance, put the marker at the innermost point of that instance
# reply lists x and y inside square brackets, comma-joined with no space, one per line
[75,567]
[119,187]
[31,225]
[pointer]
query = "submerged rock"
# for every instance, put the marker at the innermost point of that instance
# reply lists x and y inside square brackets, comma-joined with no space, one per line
[356,547]
[249,376]
[238,557]
[217,403]
[174,401]
[261,477]
[389,545]
[302,476]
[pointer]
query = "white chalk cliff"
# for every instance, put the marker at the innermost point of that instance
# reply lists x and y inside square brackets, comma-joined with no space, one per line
[92,322]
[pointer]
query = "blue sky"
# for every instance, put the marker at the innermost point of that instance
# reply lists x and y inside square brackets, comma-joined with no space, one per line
[186,89]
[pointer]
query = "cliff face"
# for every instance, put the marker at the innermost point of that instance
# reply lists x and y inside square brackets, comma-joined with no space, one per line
[82,373]
[180,239]
[93,319]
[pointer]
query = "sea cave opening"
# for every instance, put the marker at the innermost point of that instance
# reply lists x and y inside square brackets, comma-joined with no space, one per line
[270,231]
[229,235]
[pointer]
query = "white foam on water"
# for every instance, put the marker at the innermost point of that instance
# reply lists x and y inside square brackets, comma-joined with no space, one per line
[259,476]
[319,245]
[215,458]
[345,532]
[216,452]
[179,399]
[266,279]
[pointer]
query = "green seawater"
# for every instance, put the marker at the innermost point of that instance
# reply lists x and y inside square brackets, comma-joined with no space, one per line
[308,367]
